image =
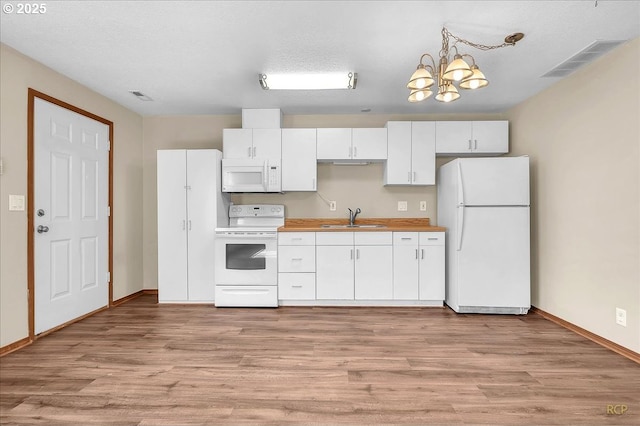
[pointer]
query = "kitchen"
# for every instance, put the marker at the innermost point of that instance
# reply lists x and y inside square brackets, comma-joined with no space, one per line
[575,117]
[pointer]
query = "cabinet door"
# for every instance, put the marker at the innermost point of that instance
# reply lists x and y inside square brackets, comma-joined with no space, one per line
[267,144]
[334,144]
[453,137]
[369,144]
[397,169]
[491,137]
[405,272]
[423,153]
[237,143]
[299,165]
[202,174]
[172,234]
[374,273]
[296,259]
[334,272]
[431,281]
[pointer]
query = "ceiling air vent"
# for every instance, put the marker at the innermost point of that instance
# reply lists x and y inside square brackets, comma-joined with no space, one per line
[140,95]
[586,55]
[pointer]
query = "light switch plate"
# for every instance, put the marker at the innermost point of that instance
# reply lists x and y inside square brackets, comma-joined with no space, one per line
[621,317]
[332,206]
[402,206]
[16,203]
[423,206]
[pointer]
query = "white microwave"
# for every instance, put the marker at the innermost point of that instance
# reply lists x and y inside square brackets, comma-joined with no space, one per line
[250,175]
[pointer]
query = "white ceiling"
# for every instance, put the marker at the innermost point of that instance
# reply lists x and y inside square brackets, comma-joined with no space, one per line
[203,57]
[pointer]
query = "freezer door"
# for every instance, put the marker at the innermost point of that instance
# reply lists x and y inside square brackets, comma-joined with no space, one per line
[493,257]
[500,181]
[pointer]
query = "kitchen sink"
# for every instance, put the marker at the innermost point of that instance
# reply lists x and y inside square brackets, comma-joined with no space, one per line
[353,226]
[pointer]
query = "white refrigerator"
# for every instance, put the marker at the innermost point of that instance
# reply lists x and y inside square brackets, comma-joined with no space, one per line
[484,204]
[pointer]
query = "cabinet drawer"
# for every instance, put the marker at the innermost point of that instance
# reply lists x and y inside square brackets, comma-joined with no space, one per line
[405,239]
[372,238]
[334,238]
[296,259]
[296,238]
[432,238]
[297,286]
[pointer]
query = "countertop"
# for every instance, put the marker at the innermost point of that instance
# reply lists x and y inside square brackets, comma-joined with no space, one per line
[391,225]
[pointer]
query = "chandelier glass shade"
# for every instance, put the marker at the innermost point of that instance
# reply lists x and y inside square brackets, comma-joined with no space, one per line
[451,70]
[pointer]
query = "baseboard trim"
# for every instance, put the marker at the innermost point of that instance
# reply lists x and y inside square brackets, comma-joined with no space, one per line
[12,347]
[621,350]
[68,323]
[133,296]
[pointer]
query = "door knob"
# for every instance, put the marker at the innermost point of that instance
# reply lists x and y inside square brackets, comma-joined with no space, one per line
[42,229]
[40,212]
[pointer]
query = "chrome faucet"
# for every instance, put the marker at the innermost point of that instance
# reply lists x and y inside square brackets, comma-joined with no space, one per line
[352,216]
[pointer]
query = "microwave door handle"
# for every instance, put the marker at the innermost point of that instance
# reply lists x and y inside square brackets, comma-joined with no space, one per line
[266,176]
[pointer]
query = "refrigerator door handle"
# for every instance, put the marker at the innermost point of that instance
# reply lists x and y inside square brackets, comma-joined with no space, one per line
[460,217]
[460,186]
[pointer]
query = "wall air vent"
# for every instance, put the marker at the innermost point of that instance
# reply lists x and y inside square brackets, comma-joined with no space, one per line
[586,55]
[138,94]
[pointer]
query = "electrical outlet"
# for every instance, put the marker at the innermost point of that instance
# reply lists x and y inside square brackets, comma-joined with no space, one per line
[423,206]
[402,206]
[332,206]
[621,317]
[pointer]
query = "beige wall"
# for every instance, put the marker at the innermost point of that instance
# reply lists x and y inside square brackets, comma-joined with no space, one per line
[17,74]
[583,136]
[349,186]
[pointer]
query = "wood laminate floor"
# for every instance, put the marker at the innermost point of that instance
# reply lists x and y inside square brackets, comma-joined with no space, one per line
[147,364]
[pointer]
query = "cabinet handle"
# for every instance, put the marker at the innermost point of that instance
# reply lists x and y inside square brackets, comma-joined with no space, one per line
[421,253]
[355,151]
[414,176]
[357,253]
[296,238]
[184,223]
[416,253]
[475,142]
[189,224]
[469,144]
[351,254]
[254,151]
[249,152]
[296,258]
[432,238]
[408,176]
[296,286]
[406,238]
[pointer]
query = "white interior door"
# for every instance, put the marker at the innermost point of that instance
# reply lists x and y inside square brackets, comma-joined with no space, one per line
[71,195]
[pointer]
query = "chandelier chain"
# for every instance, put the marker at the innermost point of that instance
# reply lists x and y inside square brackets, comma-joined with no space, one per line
[447,34]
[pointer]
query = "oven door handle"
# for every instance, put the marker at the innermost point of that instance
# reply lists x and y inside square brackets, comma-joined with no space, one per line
[233,238]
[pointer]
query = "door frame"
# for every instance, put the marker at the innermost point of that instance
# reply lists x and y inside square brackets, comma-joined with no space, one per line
[32,95]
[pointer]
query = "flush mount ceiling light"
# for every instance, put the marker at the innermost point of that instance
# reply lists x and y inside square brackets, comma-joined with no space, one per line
[451,70]
[343,80]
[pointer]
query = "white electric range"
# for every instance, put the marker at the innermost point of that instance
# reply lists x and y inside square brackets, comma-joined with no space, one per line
[246,256]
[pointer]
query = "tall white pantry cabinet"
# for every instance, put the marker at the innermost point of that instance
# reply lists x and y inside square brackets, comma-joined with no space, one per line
[190,206]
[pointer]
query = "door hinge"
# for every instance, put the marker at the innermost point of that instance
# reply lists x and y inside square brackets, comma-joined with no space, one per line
[108,277]
[108,145]
[108,211]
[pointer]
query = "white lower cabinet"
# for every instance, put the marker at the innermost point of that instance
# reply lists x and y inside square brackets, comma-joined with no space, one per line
[418,266]
[296,266]
[386,268]
[432,266]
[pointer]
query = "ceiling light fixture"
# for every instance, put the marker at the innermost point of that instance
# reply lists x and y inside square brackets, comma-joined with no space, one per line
[344,80]
[450,70]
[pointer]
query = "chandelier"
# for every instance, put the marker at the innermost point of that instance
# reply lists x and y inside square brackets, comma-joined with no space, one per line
[450,70]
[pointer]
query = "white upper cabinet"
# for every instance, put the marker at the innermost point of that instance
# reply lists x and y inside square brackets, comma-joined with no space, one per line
[299,166]
[345,144]
[472,137]
[252,143]
[411,153]
[369,144]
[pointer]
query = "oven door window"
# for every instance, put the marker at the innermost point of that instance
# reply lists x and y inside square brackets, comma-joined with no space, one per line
[246,256]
